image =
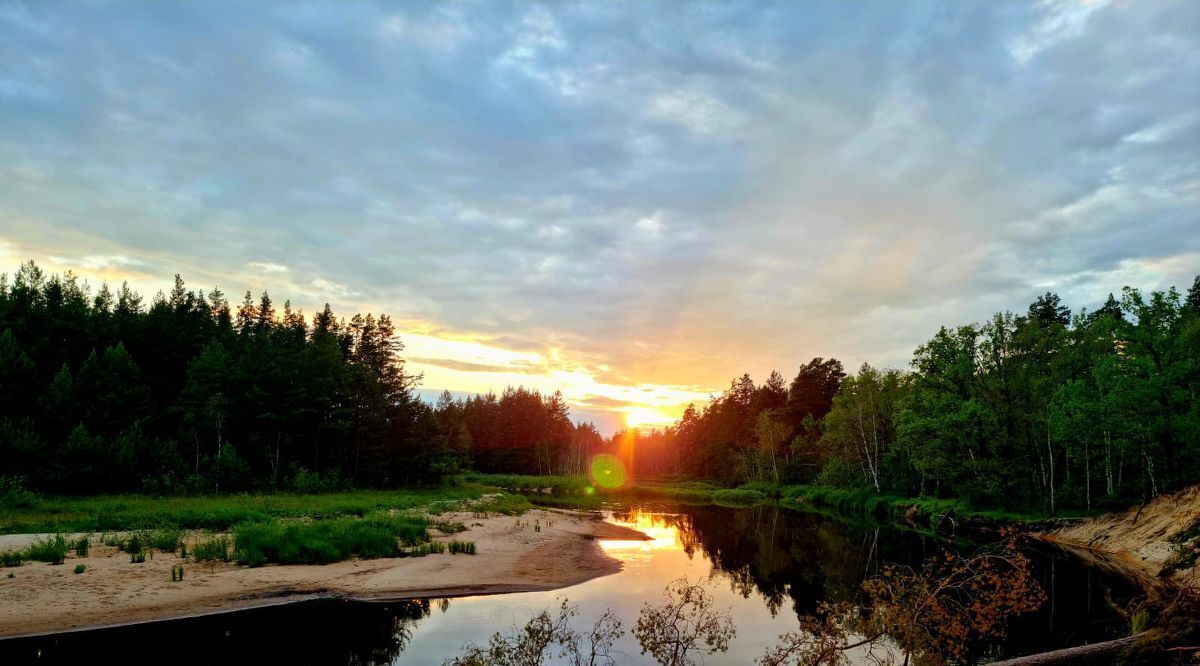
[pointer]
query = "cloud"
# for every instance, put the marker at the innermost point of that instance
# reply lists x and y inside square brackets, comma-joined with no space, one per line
[667,194]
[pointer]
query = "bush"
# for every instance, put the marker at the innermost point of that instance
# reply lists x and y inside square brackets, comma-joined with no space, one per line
[166,539]
[11,558]
[80,568]
[82,547]
[465,547]
[49,549]
[14,494]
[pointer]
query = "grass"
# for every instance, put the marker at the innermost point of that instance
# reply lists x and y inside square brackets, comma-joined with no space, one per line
[12,558]
[176,572]
[80,568]
[52,549]
[464,547]
[82,547]
[738,496]
[865,502]
[212,550]
[110,513]
[326,541]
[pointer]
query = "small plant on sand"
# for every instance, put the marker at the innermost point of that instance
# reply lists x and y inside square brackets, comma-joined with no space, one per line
[80,568]
[464,547]
[448,528]
[11,558]
[183,551]
[49,549]
[133,545]
[431,548]
[177,572]
[212,550]
[82,547]
[137,558]
[166,539]
[12,575]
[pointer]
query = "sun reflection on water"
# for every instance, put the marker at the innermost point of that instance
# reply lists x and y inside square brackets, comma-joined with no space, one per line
[658,526]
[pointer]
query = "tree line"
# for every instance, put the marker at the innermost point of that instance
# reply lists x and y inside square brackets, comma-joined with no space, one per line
[1042,410]
[101,392]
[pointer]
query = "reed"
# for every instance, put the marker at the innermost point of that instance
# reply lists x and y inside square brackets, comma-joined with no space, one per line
[462,547]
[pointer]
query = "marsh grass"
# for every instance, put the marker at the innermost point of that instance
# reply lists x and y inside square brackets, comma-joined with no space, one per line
[212,550]
[137,558]
[82,547]
[111,513]
[326,541]
[448,528]
[463,547]
[12,558]
[80,568]
[176,572]
[431,548]
[52,549]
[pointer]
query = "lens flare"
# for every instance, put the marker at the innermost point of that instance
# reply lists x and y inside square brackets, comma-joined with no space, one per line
[607,471]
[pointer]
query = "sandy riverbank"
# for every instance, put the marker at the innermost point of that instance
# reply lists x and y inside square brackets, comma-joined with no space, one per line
[1141,541]
[44,598]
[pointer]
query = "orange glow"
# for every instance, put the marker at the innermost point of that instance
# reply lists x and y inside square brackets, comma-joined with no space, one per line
[646,417]
[663,535]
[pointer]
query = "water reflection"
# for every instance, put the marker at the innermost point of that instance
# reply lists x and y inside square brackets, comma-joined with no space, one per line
[769,565]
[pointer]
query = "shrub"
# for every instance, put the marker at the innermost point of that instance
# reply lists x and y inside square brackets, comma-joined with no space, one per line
[14,494]
[49,549]
[80,568]
[11,558]
[465,547]
[738,496]
[82,547]
[137,558]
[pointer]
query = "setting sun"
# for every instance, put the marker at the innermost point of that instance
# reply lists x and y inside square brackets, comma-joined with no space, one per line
[646,417]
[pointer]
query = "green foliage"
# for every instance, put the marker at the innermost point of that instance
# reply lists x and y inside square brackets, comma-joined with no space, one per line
[738,496]
[80,568]
[213,549]
[52,549]
[176,572]
[464,547]
[137,558]
[325,541]
[82,546]
[14,494]
[221,513]
[11,558]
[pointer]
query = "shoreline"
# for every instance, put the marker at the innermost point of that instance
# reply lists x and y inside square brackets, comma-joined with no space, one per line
[48,599]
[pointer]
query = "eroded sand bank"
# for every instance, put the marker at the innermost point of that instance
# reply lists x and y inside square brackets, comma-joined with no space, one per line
[44,598]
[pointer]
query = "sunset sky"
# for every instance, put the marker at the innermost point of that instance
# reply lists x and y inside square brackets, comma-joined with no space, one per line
[630,202]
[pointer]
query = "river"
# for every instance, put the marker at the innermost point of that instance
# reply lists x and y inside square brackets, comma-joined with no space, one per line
[765,564]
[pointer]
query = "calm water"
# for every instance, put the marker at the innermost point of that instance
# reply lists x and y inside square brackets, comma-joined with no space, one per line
[766,564]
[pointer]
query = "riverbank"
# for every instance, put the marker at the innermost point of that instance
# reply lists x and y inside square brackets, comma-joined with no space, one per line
[923,513]
[1154,543]
[539,550]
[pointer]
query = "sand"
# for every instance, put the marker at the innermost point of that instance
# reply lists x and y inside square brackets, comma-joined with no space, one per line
[1138,542]
[43,598]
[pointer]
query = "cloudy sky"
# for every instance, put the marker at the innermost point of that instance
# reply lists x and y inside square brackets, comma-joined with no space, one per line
[632,202]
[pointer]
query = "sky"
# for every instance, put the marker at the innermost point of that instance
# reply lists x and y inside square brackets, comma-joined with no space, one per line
[631,202]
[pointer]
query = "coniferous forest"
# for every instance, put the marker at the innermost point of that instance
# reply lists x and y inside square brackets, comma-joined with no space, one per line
[1049,409]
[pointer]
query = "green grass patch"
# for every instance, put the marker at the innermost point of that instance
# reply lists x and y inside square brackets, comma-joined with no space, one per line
[738,496]
[83,546]
[52,549]
[12,558]
[213,549]
[326,541]
[461,547]
[110,513]
[80,568]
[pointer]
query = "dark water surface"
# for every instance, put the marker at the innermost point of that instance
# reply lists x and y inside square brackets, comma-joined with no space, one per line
[767,565]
